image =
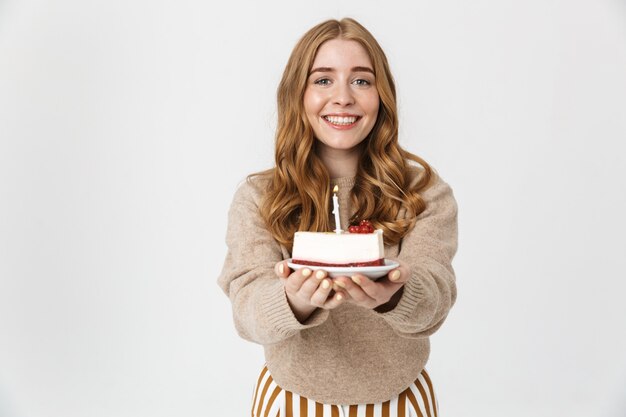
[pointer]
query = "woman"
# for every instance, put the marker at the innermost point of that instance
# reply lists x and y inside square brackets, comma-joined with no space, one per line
[346,345]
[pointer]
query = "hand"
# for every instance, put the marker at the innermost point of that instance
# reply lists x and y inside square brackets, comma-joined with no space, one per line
[308,290]
[383,294]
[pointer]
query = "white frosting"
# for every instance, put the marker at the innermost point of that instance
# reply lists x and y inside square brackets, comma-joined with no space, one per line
[333,248]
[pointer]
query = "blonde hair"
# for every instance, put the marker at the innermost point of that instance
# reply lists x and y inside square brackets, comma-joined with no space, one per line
[298,194]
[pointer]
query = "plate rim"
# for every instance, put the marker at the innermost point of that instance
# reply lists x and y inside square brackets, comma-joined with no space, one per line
[389,265]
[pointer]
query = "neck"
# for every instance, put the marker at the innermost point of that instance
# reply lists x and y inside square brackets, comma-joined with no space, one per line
[339,162]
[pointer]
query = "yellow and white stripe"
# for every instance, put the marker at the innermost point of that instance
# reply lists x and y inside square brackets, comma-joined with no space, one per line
[270,400]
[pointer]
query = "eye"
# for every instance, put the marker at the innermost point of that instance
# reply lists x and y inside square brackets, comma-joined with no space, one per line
[322,81]
[362,82]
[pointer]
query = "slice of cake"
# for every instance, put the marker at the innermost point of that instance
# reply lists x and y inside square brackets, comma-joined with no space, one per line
[362,248]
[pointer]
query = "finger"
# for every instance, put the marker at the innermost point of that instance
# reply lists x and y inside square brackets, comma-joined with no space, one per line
[320,274]
[345,284]
[297,279]
[381,290]
[363,290]
[396,278]
[403,268]
[319,297]
[400,274]
[338,284]
[334,301]
[395,275]
[353,291]
[282,269]
[312,283]
[308,283]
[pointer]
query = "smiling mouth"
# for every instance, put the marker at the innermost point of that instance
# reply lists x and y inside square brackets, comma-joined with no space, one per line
[341,120]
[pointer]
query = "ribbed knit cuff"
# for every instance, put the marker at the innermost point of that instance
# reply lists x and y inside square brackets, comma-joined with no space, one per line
[403,315]
[278,315]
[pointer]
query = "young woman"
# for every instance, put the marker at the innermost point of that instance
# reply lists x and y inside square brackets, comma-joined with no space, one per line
[345,345]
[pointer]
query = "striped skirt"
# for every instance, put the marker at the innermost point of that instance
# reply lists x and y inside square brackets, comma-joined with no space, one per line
[270,400]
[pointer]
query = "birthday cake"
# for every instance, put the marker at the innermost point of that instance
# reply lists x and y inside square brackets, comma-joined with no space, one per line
[360,246]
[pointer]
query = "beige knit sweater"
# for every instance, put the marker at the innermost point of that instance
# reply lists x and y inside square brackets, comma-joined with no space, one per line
[348,355]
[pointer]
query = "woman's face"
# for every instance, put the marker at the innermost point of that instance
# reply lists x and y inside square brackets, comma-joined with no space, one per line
[341,100]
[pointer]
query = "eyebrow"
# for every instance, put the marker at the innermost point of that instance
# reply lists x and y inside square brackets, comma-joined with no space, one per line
[354,69]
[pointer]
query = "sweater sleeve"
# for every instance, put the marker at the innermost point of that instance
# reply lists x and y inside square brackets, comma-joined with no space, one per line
[428,249]
[261,312]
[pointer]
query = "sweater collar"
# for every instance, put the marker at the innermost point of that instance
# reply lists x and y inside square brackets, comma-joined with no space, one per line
[343,182]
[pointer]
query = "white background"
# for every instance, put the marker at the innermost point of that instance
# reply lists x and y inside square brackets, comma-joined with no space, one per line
[125,128]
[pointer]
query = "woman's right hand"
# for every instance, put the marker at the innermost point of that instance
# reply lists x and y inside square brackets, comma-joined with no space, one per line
[308,290]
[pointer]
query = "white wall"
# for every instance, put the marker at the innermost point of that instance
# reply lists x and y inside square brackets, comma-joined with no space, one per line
[126,126]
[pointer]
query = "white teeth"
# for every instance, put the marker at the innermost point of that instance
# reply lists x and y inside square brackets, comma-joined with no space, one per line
[341,120]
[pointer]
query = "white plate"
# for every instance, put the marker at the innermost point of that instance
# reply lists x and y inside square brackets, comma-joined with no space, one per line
[373,272]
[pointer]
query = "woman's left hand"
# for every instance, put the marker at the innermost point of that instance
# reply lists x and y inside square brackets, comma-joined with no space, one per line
[383,293]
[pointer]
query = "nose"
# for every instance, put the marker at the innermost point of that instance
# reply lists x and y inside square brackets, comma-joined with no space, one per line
[342,95]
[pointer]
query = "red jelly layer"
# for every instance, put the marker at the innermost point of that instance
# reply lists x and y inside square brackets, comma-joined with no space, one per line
[379,262]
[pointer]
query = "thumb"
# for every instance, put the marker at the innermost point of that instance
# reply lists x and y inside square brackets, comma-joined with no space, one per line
[401,274]
[282,269]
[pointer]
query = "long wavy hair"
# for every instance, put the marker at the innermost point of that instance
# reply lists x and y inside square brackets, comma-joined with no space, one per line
[297,194]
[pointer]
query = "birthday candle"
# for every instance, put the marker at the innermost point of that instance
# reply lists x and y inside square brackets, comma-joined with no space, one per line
[336,210]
